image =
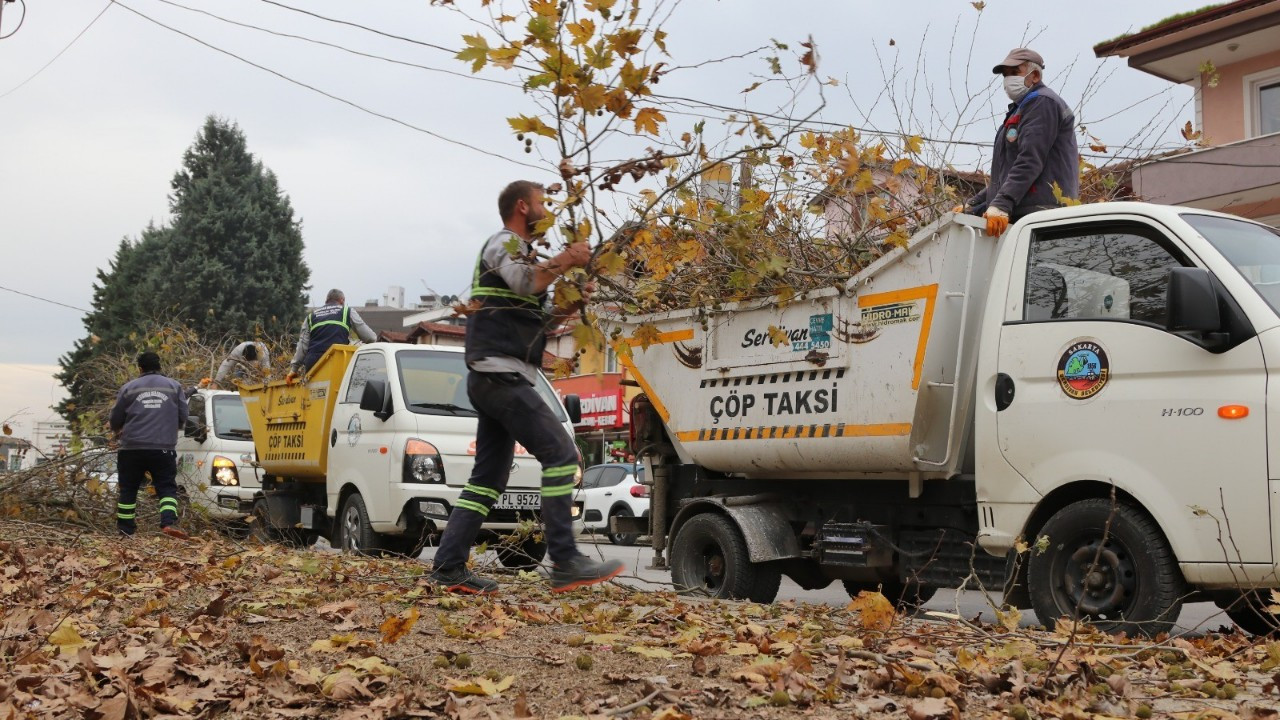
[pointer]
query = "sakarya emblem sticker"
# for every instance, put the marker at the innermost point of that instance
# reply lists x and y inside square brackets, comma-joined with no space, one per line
[1083,370]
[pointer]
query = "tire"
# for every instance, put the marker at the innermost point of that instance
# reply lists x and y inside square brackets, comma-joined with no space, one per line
[355,535]
[1248,610]
[709,553]
[1136,587]
[621,538]
[907,597]
[525,555]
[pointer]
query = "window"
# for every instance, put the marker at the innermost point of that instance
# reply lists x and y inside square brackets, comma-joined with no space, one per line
[591,478]
[195,410]
[230,420]
[610,360]
[435,383]
[1253,249]
[1121,273]
[612,476]
[1262,103]
[369,366]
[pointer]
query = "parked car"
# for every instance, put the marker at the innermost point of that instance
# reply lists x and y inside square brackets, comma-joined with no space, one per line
[610,490]
[215,456]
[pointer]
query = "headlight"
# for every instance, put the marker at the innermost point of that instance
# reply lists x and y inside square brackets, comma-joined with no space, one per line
[422,462]
[224,471]
[577,477]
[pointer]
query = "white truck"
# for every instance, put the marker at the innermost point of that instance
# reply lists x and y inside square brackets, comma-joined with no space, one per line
[1076,414]
[215,456]
[373,447]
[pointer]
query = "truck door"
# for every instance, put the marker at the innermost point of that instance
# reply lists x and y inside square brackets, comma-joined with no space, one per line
[1102,391]
[361,443]
[192,466]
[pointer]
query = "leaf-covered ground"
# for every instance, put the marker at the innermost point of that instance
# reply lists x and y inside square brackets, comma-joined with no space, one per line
[103,628]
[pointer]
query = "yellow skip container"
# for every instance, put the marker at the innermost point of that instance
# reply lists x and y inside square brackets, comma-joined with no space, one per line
[291,421]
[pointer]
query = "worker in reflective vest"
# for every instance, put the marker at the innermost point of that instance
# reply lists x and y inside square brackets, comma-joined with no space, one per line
[329,324]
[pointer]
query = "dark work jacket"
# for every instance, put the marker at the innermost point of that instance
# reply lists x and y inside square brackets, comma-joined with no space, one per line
[328,326]
[506,324]
[1035,148]
[148,412]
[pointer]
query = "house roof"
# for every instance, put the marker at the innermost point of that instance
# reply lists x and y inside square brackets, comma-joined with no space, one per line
[434,328]
[1176,48]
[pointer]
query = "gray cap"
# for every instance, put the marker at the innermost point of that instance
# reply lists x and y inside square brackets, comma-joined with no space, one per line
[1017,56]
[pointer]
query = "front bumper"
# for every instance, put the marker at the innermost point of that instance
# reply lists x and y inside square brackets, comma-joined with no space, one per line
[224,502]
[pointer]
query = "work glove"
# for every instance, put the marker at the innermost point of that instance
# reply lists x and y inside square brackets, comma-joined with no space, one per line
[997,221]
[206,382]
[291,378]
[958,209]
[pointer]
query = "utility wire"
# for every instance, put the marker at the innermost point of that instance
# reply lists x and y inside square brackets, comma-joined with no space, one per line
[336,46]
[376,31]
[327,94]
[60,52]
[41,299]
[21,20]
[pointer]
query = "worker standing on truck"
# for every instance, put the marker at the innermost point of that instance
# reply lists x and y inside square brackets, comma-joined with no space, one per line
[145,419]
[505,339]
[1035,150]
[249,361]
[329,324]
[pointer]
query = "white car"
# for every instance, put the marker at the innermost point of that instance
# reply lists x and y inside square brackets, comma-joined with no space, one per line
[613,490]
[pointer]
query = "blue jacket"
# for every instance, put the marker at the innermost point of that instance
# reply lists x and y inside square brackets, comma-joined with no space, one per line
[1035,148]
[148,413]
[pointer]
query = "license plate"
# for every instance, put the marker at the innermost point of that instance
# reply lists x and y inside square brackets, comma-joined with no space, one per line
[519,501]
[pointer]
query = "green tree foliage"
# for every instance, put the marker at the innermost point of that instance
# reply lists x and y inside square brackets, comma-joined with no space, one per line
[228,266]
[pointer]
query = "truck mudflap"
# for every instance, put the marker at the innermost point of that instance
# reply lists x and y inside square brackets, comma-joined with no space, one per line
[764,525]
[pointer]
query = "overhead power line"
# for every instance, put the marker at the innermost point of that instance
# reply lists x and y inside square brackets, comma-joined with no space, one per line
[60,52]
[43,299]
[348,23]
[325,93]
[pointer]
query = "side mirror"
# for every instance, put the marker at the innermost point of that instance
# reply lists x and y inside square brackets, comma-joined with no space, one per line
[196,430]
[573,406]
[1193,301]
[376,399]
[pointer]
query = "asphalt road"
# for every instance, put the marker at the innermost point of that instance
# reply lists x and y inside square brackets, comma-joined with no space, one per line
[1196,617]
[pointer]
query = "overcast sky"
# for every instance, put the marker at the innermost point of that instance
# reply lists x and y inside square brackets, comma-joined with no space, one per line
[89,145]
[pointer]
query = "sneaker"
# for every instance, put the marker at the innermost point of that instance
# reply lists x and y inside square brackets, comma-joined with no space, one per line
[462,580]
[174,531]
[583,571]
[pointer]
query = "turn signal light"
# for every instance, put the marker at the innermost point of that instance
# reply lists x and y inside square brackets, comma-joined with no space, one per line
[1233,412]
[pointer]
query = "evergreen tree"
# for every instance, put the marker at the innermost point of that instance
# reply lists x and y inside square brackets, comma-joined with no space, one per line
[229,266]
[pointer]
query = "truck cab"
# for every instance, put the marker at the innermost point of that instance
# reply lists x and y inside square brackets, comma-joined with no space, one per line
[398,434]
[215,456]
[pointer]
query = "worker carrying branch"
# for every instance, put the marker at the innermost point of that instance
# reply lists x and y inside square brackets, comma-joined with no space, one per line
[1035,149]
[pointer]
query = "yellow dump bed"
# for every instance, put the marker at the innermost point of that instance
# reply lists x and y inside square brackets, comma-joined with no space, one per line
[291,421]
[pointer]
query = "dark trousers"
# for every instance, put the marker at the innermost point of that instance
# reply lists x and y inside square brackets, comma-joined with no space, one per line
[510,411]
[132,466]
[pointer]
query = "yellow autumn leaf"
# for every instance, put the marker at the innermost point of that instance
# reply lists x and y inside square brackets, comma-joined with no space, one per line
[650,652]
[476,52]
[479,686]
[915,144]
[660,39]
[601,6]
[372,665]
[504,57]
[647,120]
[524,124]
[903,165]
[742,648]
[334,643]
[874,610]
[610,263]
[645,335]
[67,639]
[581,30]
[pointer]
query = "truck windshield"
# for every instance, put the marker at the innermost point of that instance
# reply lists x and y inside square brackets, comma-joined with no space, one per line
[435,383]
[1254,249]
[230,421]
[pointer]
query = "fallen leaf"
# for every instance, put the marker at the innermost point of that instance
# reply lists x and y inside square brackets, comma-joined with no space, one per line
[344,685]
[650,652]
[874,610]
[479,686]
[67,639]
[397,626]
[933,709]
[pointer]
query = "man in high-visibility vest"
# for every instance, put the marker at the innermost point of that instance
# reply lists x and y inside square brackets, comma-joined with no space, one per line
[329,324]
[506,336]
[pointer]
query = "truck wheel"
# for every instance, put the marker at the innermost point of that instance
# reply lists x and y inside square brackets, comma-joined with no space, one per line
[1249,611]
[355,535]
[710,554]
[526,554]
[621,538]
[907,597]
[1135,587]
